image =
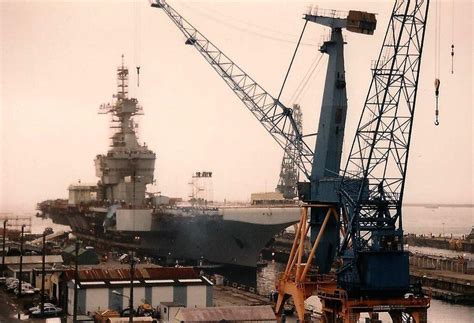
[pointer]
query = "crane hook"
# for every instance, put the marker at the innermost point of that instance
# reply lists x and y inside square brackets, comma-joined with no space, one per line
[437,84]
[452,59]
[138,76]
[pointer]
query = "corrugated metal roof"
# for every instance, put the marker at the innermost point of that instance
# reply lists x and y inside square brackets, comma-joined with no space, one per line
[126,319]
[228,313]
[49,259]
[27,267]
[141,273]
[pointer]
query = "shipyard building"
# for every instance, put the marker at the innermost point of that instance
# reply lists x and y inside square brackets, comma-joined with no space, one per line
[101,288]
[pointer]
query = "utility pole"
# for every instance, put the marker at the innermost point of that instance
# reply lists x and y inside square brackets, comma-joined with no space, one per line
[4,236]
[21,265]
[20,279]
[76,278]
[132,261]
[43,272]
[132,278]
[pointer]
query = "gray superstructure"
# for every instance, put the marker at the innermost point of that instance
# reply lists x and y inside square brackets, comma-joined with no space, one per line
[128,166]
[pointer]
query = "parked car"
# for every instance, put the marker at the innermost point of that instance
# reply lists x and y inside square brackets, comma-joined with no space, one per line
[48,311]
[35,301]
[13,286]
[10,287]
[25,290]
[125,259]
[146,310]
[126,312]
[38,307]
[16,282]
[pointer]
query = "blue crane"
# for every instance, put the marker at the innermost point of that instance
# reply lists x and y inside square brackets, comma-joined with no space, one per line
[365,233]
[374,177]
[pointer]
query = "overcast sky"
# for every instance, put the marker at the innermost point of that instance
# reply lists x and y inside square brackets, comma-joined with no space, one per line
[58,62]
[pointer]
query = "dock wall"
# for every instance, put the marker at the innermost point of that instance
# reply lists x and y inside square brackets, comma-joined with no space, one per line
[448,243]
[457,265]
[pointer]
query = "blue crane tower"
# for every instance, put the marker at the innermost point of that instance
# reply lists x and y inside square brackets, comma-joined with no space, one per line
[325,176]
[356,215]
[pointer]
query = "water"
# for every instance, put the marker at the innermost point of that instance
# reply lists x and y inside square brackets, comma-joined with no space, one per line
[444,221]
[39,224]
[441,221]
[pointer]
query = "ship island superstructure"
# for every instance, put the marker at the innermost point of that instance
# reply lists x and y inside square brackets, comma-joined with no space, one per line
[128,166]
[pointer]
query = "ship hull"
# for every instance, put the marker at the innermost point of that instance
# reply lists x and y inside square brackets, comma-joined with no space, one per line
[235,237]
[227,242]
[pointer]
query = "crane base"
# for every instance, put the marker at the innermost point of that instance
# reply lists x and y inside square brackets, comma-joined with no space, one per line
[338,308]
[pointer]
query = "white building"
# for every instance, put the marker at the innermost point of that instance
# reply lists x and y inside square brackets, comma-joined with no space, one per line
[100,288]
[29,264]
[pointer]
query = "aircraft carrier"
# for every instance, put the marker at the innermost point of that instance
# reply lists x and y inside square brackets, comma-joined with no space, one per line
[118,211]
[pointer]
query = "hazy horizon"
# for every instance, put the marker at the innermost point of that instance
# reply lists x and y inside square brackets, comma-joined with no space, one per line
[58,62]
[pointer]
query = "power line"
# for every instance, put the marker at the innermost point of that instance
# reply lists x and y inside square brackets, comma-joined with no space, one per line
[200,11]
[260,27]
[452,36]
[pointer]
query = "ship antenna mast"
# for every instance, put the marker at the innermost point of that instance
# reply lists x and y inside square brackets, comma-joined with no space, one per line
[122,81]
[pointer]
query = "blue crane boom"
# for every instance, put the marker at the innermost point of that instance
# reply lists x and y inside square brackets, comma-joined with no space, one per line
[272,114]
[375,173]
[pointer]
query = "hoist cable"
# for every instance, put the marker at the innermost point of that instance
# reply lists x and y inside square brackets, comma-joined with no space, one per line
[437,57]
[137,40]
[437,36]
[292,60]
[311,67]
[304,81]
[452,37]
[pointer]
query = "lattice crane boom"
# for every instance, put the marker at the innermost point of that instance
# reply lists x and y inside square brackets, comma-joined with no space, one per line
[289,174]
[374,177]
[277,119]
